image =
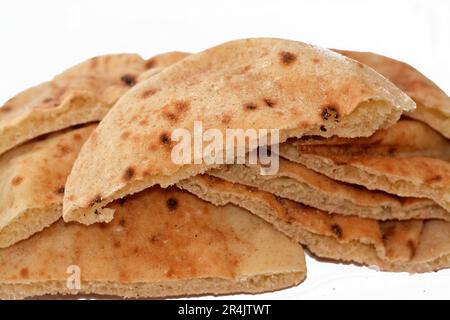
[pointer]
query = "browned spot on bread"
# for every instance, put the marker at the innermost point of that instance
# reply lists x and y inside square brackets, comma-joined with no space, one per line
[148,93]
[226,119]
[125,135]
[150,63]
[182,105]
[337,230]
[269,102]
[330,113]
[152,147]
[287,58]
[245,69]
[47,100]
[170,116]
[128,79]
[129,173]
[95,200]
[172,203]
[154,238]
[64,148]
[5,109]
[24,273]
[323,129]
[360,64]
[315,60]
[433,179]
[143,122]
[250,106]
[71,198]
[122,222]
[116,244]
[16,181]
[165,138]
[303,124]
[60,190]
[77,137]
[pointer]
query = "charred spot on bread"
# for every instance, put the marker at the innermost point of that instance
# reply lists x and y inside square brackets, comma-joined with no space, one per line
[337,230]
[172,203]
[330,113]
[269,102]
[165,138]
[129,173]
[95,200]
[128,79]
[287,58]
[250,106]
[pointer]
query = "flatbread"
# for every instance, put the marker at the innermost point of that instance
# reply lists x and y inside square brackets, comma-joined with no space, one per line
[412,246]
[253,83]
[81,94]
[298,183]
[161,243]
[433,104]
[402,170]
[32,179]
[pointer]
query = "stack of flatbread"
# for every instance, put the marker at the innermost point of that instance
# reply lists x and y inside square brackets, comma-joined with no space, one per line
[92,202]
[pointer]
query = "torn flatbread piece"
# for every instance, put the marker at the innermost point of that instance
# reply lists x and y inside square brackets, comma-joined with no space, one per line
[81,94]
[433,104]
[32,182]
[161,243]
[407,165]
[246,84]
[411,246]
[296,182]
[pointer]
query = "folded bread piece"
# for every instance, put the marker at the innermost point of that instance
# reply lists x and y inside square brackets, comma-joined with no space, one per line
[247,84]
[81,94]
[401,160]
[412,246]
[162,242]
[32,179]
[433,104]
[298,183]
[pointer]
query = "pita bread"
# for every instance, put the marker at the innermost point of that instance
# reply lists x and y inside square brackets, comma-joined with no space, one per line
[32,179]
[298,183]
[81,94]
[412,246]
[161,243]
[433,104]
[402,170]
[253,83]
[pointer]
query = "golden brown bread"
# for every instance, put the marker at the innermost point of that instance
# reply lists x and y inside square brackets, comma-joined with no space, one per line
[433,104]
[162,242]
[412,246]
[253,83]
[32,180]
[296,182]
[81,94]
[400,160]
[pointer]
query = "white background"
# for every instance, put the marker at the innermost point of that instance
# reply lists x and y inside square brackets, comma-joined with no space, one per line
[39,39]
